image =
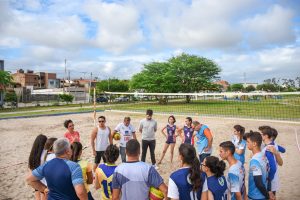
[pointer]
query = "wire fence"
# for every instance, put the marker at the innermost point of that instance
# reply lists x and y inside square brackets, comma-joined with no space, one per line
[274,106]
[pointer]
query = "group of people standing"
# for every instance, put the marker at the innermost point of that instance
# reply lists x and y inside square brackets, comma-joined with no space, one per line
[58,172]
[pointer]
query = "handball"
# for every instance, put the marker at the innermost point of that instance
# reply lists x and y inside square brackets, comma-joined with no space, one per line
[117,136]
[155,194]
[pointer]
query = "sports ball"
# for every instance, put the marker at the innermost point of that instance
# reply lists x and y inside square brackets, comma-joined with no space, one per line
[155,194]
[117,136]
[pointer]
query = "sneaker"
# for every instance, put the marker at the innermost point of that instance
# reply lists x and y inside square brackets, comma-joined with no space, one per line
[155,166]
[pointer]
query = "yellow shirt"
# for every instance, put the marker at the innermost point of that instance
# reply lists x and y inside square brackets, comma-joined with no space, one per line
[85,167]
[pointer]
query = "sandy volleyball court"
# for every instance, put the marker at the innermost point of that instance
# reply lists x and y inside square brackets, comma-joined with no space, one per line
[17,136]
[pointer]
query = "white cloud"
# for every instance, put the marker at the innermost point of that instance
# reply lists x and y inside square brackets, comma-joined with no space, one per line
[277,62]
[9,42]
[118,25]
[274,27]
[200,25]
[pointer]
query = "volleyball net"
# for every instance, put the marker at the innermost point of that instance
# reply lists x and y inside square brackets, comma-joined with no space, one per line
[260,105]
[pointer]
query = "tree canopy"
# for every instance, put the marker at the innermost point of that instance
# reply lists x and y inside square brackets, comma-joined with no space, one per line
[112,85]
[183,73]
[5,79]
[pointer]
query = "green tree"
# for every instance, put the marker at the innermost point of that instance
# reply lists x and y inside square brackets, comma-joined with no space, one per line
[5,80]
[112,85]
[66,98]
[237,87]
[184,73]
[269,87]
[250,88]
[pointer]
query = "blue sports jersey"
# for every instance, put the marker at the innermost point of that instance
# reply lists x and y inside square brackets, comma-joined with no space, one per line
[258,166]
[218,187]
[104,172]
[202,141]
[61,176]
[171,133]
[183,184]
[236,179]
[188,134]
[239,145]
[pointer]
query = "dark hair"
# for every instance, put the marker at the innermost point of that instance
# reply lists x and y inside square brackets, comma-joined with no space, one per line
[268,132]
[133,147]
[274,134]
[149,112]
[76,148]
[254,137]
[189,156]
[127,118]
[36,151]
[215,165]
[190,119]
[112,153]
[49,146]
[241,130]
[228,146]
[102,117]
[172,116]
[67,122]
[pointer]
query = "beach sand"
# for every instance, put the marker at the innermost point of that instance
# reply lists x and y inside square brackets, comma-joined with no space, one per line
[17,136]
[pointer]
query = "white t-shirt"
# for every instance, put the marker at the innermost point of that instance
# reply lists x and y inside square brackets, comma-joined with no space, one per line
[126,133]
[50,156]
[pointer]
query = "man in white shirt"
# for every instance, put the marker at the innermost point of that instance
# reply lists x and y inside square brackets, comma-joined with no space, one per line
[127,132]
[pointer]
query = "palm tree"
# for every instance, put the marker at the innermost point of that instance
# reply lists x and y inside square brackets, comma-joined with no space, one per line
[5,80]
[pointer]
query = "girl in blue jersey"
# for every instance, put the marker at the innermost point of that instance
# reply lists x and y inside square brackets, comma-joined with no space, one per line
[170,135]
[239,143]
[187,135]
[216,182]
[188,182]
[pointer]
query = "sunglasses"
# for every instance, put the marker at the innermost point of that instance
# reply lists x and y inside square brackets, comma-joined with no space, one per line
[101,121]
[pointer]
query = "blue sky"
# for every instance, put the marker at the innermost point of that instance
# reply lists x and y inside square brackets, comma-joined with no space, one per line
[115,38]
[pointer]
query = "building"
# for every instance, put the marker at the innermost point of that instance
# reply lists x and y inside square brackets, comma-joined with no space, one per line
[85,83]
[26,78]
[48,80]
[2,65]
[223,84]
[39,80]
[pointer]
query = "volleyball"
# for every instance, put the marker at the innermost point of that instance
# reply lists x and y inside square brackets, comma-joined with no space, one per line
[117,136]
[155,194]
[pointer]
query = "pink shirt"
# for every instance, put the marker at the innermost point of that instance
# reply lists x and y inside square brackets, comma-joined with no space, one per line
[72,137]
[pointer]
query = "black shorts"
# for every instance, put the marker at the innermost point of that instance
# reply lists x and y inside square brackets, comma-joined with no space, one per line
[99,155]
[170,142]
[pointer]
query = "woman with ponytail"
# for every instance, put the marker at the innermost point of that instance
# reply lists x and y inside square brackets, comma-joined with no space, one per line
[85,166]
[188,182]
[35,159]
[239,143]
[216,182]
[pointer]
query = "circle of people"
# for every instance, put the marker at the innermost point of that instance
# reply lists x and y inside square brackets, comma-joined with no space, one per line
[58,172]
